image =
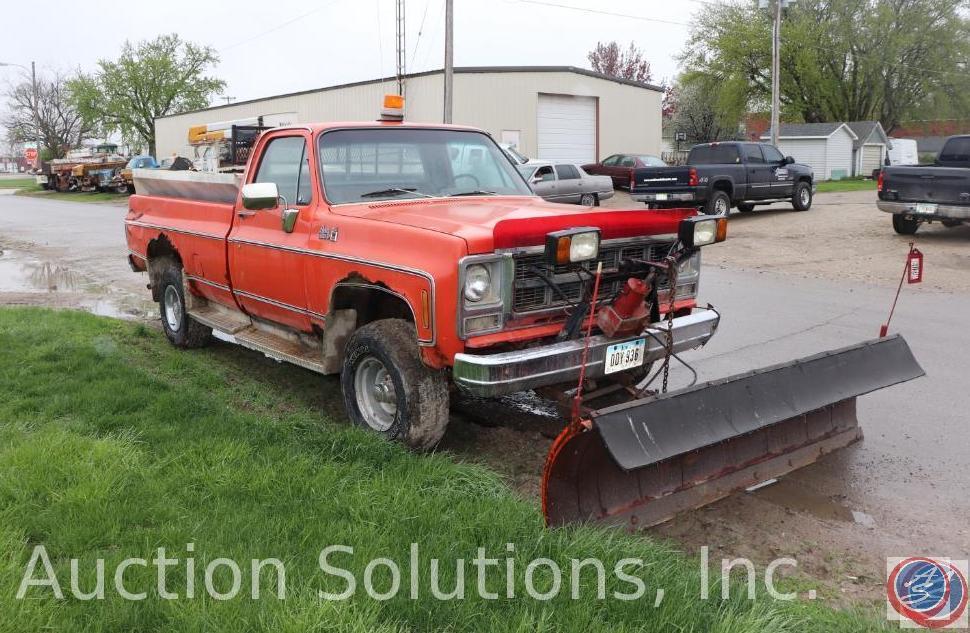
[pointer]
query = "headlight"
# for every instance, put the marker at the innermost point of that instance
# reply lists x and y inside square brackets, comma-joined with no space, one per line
[571,246]
[477,283]
[701,230]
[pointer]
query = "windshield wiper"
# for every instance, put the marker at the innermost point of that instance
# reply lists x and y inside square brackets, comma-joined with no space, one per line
[394,191]
[477,192]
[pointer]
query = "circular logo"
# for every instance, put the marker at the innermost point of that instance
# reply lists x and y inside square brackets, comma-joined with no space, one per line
[932,593]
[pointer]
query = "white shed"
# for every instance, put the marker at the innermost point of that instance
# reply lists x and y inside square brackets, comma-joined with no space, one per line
[870,147]
[825,147]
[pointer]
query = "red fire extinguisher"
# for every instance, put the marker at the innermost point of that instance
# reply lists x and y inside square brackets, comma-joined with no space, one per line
[913,274]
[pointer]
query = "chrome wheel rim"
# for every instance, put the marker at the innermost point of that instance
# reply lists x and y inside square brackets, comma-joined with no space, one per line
[804,196]
[586,200]
[375,394]
[720,206]
[173,309]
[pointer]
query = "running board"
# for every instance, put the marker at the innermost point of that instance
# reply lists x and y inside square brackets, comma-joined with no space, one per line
[219,318]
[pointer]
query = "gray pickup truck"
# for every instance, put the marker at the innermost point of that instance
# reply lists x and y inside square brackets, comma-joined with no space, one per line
[940,192]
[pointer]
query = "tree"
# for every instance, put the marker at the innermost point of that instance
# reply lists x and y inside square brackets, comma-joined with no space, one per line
[629,64]
[841,60]
[698,111]
[51,117]
[151,79]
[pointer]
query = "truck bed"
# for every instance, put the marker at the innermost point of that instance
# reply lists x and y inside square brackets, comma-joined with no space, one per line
[927,183]
[189,185]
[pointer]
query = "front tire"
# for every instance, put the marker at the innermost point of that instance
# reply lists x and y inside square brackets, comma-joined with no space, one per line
[719,204]
[801,197]
[180,328]
[905,225]
[388,390]
[745,207]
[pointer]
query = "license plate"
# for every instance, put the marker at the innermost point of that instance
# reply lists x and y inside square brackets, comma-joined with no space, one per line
[661,196]
[622,356]
[926,208]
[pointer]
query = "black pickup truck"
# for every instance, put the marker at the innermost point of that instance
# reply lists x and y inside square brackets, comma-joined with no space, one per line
[719,176]
[927,193]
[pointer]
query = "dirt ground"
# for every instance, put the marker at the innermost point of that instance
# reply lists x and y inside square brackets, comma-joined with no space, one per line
[843,237]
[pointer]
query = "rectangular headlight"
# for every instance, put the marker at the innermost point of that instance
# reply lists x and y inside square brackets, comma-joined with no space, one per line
[701,230]
[572,245]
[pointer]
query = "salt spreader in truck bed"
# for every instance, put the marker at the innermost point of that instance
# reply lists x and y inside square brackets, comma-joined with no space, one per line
[407,258]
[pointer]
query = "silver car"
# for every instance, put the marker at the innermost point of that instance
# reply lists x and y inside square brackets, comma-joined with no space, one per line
[566,182]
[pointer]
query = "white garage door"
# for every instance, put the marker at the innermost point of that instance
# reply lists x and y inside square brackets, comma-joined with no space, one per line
[871,158]
[567,128]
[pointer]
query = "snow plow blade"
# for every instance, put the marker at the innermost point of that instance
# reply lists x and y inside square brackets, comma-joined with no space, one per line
[642,462]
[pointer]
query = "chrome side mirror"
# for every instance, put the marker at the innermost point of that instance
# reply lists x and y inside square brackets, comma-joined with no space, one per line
[289,219]
[536,180]
[260,195]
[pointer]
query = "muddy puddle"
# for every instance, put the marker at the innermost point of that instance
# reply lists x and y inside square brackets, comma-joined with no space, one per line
[26,279]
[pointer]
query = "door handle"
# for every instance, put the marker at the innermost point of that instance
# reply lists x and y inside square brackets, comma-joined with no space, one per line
[245,214]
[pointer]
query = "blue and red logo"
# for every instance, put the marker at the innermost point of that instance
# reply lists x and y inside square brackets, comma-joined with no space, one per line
[929,593]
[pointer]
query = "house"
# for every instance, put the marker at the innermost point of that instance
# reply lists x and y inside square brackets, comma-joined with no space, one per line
[870,147]
[825,147]
[550,112]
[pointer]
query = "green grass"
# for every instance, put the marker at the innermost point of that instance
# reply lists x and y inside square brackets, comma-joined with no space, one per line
[16,183]
[846,184]
[112,444]
[74,196]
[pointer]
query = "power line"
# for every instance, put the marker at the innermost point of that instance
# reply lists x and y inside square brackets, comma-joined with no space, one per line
[612,14]
[417,40]
[278,26]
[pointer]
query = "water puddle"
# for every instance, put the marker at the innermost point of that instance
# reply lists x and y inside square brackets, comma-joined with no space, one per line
[39,282]
[790,495]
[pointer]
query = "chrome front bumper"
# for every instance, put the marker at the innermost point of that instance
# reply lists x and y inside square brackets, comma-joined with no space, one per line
[507,372]
[943,211]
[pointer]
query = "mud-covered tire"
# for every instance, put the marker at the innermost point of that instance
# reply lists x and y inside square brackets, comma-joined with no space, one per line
[180,329]
[388,390]
[801,196]
[904,225]
[719,204]
[745,207]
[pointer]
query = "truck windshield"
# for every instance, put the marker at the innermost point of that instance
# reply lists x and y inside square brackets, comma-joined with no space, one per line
[374,163]
[713,155]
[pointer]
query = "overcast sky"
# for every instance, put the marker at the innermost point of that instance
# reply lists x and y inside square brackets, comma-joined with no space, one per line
[271,47]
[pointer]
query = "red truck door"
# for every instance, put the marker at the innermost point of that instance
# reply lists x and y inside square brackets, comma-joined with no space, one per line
[266,264]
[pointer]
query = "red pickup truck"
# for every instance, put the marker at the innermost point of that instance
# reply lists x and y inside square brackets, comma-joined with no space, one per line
[406,257]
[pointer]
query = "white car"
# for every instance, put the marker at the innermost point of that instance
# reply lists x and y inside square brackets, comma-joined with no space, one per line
[566,182]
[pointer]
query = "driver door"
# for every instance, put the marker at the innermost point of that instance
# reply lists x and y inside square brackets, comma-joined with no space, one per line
[544,183]
[268,272]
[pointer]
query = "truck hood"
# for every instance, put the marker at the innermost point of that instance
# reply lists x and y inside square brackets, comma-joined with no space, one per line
[494,222]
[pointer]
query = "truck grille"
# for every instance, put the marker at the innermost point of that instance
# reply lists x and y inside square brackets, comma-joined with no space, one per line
[530,293]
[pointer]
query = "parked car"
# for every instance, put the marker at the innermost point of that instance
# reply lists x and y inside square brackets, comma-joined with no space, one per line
[517,157]
[719,176]
[620,167]
[123,182]
[915,194]
[567,183]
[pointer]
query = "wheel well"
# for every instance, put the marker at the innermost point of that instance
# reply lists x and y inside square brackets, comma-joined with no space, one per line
[807,179]
[161,254]
[725,186]
[371,301]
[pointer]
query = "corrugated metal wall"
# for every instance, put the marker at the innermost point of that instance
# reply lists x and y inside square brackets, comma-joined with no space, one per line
[628,118]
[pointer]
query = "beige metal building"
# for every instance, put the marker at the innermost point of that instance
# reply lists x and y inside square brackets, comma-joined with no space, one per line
[548,112]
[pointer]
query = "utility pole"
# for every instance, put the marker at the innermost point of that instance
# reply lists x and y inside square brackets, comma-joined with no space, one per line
[228,99]
[449,57]
[775,68]
[401,48]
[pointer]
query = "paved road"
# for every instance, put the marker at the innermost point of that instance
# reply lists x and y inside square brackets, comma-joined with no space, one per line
[901,492]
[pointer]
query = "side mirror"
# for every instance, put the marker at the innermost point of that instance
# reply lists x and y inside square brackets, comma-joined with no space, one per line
[260,195]
[289,219]
[789,160]
[535,180]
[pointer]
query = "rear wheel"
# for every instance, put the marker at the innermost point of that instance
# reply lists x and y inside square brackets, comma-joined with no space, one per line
[388,390]
[905,225]
[719,204]
[180,328]
[587,200]
[801,197]
[745,207]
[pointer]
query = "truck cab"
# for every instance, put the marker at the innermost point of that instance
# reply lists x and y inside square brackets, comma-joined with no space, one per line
[407,258]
